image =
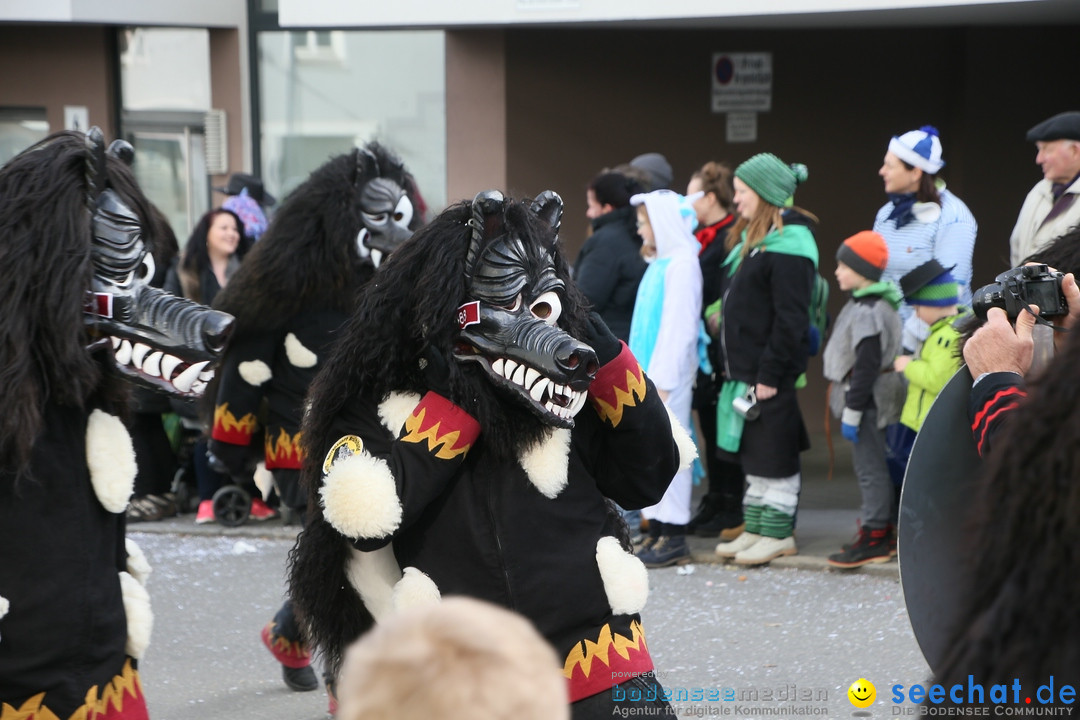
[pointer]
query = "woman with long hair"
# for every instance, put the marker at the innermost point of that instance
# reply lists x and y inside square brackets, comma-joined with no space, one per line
[211,256]
[765,343]
[720,512]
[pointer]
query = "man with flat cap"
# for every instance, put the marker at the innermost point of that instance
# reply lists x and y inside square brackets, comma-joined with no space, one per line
[1052,207]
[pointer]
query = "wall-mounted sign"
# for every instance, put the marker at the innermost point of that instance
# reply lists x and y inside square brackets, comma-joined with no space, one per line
[741,127]
[76,117]
[741,82]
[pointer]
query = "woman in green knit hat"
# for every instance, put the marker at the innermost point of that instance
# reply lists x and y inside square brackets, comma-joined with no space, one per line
[765,343]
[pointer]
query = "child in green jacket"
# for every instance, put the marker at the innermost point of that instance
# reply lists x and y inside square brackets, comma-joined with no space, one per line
[933,292]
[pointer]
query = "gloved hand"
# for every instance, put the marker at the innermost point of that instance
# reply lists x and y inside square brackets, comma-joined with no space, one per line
[851,432]
[437,371]
[600,337]
[226,458]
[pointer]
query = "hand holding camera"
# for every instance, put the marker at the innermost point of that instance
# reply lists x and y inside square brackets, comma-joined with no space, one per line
[998,346]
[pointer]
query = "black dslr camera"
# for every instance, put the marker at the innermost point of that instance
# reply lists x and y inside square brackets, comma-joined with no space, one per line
[1015,289]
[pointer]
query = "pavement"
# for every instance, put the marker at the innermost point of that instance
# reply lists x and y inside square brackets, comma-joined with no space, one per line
[827,518]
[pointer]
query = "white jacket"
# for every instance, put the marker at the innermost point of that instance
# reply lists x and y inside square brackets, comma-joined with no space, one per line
[1030,233]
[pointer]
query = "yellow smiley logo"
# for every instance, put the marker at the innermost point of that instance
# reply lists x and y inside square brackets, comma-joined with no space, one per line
[862,693]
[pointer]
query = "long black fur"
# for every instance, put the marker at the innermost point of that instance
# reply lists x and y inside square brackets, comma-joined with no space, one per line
[45,253]
[410,304]
[307,258]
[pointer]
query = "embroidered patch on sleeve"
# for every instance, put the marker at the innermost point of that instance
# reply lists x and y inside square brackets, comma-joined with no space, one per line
[346,447]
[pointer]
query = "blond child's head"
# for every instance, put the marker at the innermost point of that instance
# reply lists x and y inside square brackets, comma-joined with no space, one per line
[456,659]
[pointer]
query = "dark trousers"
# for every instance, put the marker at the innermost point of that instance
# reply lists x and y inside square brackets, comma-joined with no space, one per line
[726,482]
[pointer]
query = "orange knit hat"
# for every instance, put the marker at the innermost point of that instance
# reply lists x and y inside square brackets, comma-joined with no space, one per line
[866,253]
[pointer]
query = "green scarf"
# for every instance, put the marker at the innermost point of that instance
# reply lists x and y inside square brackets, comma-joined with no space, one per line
[792,240]
[729,424]
[885,289]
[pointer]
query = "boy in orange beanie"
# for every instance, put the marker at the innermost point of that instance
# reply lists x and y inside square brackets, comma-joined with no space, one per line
[865,393]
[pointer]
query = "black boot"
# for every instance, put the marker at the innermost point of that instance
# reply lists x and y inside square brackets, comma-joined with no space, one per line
[707,509]
[727,522]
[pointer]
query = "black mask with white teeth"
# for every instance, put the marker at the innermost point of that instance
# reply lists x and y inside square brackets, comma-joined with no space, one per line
[387,213]
[160,342]
[510,327]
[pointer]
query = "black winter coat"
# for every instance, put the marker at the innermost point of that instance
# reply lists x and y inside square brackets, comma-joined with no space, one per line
[609,268]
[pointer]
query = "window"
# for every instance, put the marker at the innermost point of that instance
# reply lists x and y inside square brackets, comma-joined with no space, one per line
[20,128]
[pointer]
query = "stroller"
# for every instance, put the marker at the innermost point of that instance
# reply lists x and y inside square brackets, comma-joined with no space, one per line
[232,500]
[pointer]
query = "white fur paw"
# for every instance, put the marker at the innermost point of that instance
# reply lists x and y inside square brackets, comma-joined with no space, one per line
[415,589]
[140,619]
[360,499]
[137,564]
[626,581]
[299,355]
[396,409]
[110,457]
[546,463]
[683,440]
[254,372]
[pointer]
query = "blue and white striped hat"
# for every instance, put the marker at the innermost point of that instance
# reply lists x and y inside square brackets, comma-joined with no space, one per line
[921,148]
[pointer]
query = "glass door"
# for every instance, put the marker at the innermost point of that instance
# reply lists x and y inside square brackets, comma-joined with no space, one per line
[170,167]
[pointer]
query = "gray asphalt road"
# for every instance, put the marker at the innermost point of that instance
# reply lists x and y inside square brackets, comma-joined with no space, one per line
[766,642]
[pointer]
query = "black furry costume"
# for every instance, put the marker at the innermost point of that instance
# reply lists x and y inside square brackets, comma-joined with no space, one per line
[433,476]
[78,318]
[292,293]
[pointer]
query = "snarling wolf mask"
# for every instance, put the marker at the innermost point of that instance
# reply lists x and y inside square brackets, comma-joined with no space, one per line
[159,341]
[386,210]
[509,325]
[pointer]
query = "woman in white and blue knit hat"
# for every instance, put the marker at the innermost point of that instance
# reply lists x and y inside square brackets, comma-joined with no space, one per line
[922,220]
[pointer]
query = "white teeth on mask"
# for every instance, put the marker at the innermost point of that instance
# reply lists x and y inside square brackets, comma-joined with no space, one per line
[152,364]
[168,364]
[577,403]
[123,353]
[539,389]
[115,342]
[184,381]
[206,376]
[138,353]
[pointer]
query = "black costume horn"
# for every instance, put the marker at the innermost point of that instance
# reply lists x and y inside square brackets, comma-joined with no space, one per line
[484,203]
[95,165]
[548,206]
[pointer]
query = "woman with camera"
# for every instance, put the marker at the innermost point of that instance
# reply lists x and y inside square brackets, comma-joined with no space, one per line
[764,335]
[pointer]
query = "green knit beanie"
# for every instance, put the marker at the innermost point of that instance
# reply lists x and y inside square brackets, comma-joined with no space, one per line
[771,178]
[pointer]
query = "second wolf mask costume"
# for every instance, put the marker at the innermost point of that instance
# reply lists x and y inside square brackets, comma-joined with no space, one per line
[465,438]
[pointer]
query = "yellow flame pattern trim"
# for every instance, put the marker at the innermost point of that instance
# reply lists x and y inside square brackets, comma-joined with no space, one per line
[226,420]
[415,434]
[126,684]
[600,649]
[624,398]
[287,446]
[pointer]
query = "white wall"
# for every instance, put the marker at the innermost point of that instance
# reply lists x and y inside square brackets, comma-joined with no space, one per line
[440,13]
[199,13]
